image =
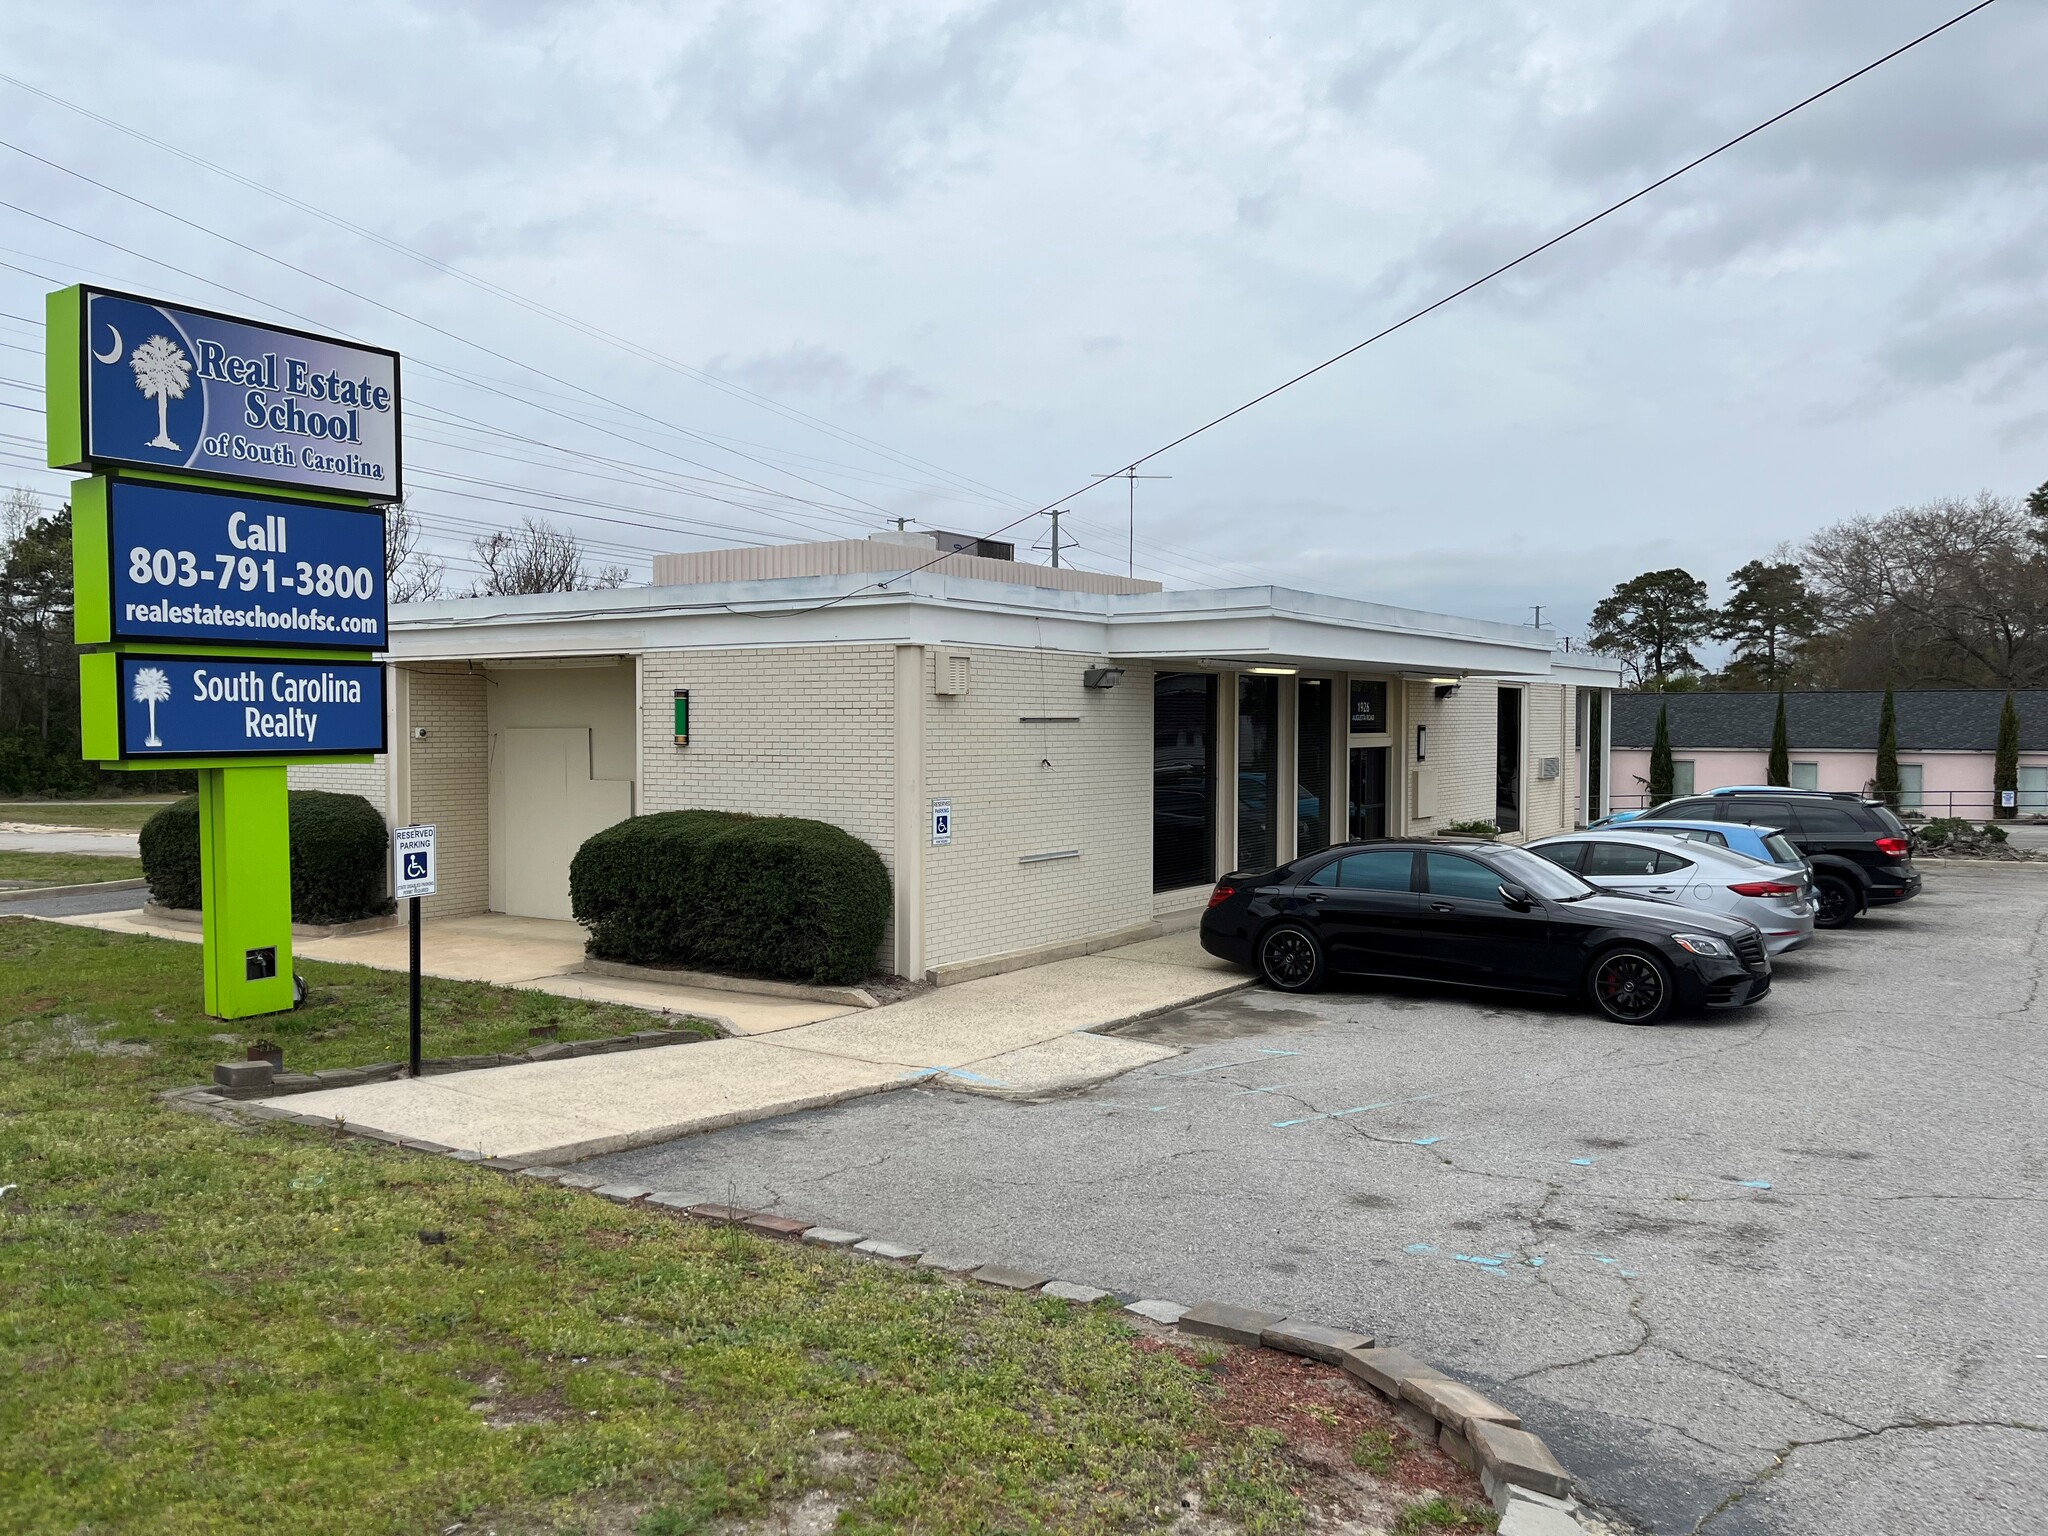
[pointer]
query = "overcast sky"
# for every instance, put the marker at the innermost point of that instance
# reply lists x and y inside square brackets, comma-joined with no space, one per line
[1016,244]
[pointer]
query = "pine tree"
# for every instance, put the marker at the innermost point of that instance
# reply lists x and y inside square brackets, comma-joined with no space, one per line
[2005,772]
[1888,752]
[1780,770]
[1660,757]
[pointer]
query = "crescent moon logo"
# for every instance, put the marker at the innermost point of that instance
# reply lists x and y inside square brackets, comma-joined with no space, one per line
[113,356]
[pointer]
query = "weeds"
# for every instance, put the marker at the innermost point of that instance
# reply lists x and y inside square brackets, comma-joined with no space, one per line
[1374,1451]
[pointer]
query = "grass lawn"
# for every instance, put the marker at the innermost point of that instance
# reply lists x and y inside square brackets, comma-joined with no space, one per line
[66,868]
[212,1329]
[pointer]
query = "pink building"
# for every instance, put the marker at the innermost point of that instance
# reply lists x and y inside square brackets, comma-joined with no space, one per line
[1948,738]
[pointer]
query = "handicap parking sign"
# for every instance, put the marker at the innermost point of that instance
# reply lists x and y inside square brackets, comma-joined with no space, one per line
[412,862]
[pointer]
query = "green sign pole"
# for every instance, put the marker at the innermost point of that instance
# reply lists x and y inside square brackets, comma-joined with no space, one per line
[245,870]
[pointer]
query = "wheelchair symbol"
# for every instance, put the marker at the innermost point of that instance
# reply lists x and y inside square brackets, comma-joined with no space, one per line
[415,866]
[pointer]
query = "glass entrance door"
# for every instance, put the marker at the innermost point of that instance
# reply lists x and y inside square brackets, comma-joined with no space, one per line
[1368,792]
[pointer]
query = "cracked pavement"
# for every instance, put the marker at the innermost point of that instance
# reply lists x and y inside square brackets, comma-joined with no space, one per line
[1770,1273]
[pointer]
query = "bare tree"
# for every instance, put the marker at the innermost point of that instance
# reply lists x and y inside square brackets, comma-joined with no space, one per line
[411,575]
[1953,593]
[538,557]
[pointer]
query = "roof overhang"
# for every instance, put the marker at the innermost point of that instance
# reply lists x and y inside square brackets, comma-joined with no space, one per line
[1215,630]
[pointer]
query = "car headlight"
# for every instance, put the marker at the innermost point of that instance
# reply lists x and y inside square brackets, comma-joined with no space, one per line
[1701,944]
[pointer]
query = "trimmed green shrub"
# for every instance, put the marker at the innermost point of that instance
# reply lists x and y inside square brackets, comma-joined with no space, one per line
[170,854]
[338,857]
[775,896]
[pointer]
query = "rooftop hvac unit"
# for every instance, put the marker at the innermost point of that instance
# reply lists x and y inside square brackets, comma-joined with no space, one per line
[1549,767]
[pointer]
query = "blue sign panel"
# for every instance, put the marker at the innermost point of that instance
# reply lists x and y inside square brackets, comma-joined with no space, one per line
[184,706]
[176,388]
[221,566]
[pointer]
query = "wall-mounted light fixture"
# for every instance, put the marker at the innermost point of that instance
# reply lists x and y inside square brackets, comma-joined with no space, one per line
[1445,690]
[1422,743]
[1254,668]
[1102,677]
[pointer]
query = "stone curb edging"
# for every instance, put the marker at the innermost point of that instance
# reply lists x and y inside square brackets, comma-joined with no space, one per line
[80,888]
[258,1080]
[1528,1486]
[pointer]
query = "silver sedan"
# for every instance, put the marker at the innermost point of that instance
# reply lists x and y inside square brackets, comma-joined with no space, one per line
[1689,875]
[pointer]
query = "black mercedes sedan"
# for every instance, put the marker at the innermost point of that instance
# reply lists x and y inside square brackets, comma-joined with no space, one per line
[1481,914]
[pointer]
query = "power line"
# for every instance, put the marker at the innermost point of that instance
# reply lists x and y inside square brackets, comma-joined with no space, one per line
[535,306]
[719,476]
[418,361]
[1458,293]
[363,298]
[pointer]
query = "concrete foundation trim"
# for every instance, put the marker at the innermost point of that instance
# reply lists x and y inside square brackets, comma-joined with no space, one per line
[846,997]
[1067,949]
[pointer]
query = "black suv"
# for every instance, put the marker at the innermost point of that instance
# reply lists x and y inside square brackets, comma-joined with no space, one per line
[1861,853]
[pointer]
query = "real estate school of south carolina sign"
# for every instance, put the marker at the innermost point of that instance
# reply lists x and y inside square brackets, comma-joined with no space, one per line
[225,628]
[164,386]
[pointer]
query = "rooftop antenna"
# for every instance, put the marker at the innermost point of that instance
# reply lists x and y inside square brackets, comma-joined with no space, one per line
[1056,513]
[1131,477]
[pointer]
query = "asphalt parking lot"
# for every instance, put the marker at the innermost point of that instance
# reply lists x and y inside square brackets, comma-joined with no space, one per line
[1781,1271]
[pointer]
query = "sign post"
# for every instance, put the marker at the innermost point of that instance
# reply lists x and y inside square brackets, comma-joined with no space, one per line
[228,630]
[412,876]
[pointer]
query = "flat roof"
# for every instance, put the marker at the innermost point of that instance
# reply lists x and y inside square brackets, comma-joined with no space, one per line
[1203,627]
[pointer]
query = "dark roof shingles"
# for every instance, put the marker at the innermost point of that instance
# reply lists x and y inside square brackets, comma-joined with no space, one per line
[1930,720]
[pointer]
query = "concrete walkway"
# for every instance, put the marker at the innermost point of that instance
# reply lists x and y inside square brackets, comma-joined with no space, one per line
[33,837]
[1022,1035]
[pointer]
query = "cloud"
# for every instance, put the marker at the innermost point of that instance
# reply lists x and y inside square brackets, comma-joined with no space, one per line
[856,100]
[804,368]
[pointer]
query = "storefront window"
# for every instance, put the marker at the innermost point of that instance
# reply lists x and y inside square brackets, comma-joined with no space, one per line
[1258,764]
[1183,780]
[1313,705]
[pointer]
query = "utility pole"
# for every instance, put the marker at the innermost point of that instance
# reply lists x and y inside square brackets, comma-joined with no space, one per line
[1131,477]
[1056,514]
[1537,609]
[902,524]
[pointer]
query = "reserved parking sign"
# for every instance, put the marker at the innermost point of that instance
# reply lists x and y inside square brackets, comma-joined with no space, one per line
[412,862]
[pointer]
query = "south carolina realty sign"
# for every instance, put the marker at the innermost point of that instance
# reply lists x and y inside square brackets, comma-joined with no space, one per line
[186,706]
[166,387]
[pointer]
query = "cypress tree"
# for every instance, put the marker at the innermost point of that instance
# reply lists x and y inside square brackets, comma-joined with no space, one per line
[1888,752]
[2005,772]
[1660,757]
[1780,770]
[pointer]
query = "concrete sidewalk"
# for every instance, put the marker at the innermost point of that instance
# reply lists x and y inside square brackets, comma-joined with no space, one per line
[1025,1034]
[29,837]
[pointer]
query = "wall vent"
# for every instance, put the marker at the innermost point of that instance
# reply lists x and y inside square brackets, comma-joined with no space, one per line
[953,674]
[1549,767]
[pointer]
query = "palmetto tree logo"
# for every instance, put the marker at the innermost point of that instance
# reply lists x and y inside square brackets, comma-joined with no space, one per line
[152,687]
[162,373]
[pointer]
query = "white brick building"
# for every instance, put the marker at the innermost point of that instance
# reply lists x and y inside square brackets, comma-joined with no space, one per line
[1105,749]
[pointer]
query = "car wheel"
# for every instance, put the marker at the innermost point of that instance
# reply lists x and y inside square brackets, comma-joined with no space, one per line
[1291,959]
[1835,903]
[1631,986]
